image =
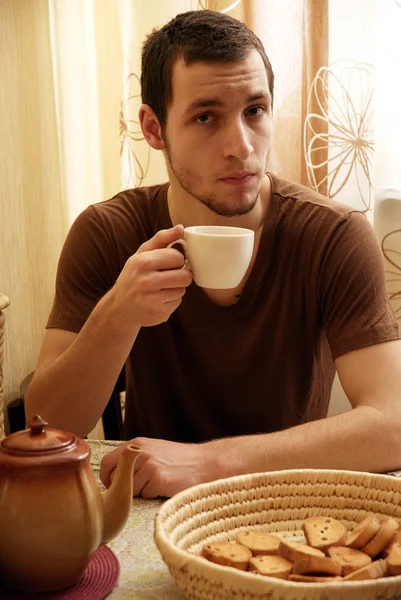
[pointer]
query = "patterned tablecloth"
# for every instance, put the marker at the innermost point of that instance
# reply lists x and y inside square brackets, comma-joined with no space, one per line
[144,575]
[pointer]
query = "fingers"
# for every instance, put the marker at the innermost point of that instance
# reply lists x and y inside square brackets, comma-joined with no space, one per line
[168,280]
[149,491]
[161,259]
[172,279]
[152,274]
[160,269]
[172,296]
[141,479]
[149,484]
[109,462]
[142,485]
[166,296]
[162,238]
[144,475]
[108,465]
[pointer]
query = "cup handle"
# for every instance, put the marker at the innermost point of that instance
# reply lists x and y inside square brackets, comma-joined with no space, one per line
[182,243]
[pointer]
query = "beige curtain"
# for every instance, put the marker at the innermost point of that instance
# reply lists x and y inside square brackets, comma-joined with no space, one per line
[32,212]
[4,302]
[69,97]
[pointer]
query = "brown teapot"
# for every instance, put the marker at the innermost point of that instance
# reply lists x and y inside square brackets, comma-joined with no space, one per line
[53,515]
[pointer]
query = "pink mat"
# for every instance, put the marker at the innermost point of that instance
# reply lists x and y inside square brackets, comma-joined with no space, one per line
[99,578]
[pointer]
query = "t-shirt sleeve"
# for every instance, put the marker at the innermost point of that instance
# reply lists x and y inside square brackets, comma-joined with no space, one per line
[355,308]
[87,269]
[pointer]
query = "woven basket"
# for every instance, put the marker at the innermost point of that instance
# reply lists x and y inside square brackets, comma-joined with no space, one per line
[4,302]
[276,502]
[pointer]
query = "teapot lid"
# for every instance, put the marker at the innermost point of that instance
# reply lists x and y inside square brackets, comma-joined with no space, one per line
[39,439]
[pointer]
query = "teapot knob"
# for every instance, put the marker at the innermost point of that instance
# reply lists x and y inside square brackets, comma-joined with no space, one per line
[37,425]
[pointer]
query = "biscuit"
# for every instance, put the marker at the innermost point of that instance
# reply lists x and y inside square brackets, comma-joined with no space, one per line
[323,532]
[388,528]
[363,532]
[396,539]
[317,565]
[350,559]
[270,566]
[375,570]
[293,551]
[394,559]
[312,578]
[228,554]
[258,542]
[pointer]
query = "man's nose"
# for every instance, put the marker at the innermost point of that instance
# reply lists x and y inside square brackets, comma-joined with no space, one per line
[237,142]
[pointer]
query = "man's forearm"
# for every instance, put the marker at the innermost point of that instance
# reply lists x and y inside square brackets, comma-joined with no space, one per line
[72,391]
[362,439]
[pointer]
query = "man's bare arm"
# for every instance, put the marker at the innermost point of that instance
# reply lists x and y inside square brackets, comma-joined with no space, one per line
[70,389]
[367,438]
[76,373]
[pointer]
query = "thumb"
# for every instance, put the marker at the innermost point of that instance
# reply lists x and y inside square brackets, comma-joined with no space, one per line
[162,238]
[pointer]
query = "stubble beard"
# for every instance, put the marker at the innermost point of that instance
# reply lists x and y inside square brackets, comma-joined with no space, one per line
[208,200]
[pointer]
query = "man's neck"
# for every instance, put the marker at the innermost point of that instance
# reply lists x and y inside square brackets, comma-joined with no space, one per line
[187,213]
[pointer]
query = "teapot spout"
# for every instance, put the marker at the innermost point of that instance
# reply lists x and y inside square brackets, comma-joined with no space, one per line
[117,499]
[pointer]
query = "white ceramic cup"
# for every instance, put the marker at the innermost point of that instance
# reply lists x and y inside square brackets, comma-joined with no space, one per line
[218,256]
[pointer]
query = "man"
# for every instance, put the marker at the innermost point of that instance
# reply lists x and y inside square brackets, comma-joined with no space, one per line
[222,382]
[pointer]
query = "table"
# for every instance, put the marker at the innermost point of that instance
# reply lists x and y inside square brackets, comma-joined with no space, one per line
[144,575]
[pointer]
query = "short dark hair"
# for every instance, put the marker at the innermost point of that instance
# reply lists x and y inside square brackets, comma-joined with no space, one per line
[196,35]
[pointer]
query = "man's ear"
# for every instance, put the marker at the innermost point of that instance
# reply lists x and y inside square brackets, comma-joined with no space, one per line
[151,129]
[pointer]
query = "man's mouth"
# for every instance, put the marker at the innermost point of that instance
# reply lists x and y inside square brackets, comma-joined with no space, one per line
[239,178]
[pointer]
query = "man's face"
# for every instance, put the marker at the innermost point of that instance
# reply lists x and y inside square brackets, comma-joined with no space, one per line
[218,132]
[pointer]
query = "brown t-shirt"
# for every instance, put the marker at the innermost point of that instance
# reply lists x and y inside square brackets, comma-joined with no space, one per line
[316,291]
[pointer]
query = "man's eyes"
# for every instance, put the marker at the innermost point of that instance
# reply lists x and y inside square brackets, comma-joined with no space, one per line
[253,111]
[256,111]
[205,118]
